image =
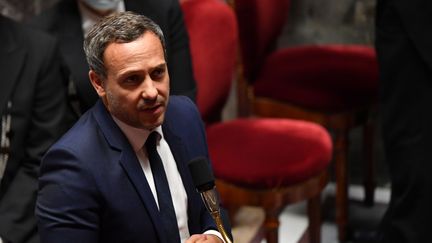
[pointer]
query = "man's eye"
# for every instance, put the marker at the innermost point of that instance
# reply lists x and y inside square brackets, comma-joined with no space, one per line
[132,79]
[158,73]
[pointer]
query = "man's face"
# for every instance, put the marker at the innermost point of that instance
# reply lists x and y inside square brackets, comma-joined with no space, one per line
[136,89]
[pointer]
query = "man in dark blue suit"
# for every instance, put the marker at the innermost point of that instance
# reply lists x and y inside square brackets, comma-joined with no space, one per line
[98,183]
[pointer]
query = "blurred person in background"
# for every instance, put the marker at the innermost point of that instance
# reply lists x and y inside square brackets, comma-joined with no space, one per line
[404,49]
[34,114]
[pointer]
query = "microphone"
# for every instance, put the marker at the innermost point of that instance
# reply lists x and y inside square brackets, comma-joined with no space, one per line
[204,181]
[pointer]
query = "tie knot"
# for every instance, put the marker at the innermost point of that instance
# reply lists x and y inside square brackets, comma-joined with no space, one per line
[150,144]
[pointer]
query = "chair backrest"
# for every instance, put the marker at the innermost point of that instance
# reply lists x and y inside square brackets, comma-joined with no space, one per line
[260,24]
[212,29]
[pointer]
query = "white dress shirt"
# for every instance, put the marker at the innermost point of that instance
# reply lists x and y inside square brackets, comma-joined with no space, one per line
[137,138]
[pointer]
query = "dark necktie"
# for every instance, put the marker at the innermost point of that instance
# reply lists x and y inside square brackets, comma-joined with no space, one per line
[166,208]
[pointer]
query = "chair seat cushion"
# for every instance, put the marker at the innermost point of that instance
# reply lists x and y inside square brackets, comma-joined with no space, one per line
[326,77]
[268,153]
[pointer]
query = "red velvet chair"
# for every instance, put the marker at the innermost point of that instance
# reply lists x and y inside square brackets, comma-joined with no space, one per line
[333,85]
[268,163]
[214,42]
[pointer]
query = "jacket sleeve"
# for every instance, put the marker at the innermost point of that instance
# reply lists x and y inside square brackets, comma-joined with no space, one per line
[68,201]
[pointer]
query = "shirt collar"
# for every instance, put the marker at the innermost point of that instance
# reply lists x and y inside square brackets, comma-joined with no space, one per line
[136,136]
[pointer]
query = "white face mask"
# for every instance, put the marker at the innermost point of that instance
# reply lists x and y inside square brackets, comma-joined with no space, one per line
[102,4]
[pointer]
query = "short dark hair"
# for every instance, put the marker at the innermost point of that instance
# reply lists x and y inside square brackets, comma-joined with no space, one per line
[120,27]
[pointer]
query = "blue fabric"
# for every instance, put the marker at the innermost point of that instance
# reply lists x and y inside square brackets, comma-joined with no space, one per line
[92,187]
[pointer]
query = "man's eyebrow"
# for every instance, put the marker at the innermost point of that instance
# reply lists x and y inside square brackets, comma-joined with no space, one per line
[162,65]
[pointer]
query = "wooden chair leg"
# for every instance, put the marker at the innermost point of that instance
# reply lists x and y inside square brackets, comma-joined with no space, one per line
[314,214]
[271,225]
[341,145]
[369,166]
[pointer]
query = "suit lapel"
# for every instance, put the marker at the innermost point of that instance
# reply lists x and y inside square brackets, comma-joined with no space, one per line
[12,59]
[129,162]
[134,171]
[181,157]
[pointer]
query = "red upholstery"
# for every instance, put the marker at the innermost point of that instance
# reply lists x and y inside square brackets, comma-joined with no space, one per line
[261,23]
[268,153]
[289,158]
[335,85]
[213,52]
[325,77]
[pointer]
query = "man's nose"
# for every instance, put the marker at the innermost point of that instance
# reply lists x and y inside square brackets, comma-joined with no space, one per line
[149,90]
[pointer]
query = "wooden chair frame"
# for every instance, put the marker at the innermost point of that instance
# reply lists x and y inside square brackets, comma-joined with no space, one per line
[274,200]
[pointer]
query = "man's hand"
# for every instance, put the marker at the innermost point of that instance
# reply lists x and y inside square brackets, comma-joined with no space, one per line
[205,238]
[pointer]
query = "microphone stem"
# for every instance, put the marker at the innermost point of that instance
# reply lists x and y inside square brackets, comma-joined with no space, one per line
[218,220]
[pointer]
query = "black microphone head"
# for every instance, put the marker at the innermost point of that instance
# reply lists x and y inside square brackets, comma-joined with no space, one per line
[202,175]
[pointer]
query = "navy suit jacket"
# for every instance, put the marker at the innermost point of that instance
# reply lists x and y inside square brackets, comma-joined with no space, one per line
[92,188]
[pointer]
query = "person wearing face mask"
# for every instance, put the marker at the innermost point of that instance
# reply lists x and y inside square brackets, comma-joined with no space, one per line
[102,5]
[70,20]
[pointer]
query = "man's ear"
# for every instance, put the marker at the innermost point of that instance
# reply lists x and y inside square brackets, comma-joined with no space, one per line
[96,81]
